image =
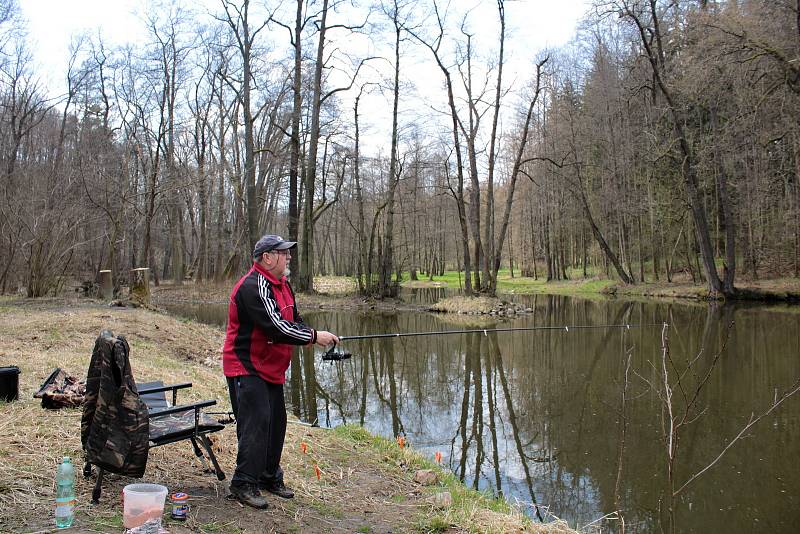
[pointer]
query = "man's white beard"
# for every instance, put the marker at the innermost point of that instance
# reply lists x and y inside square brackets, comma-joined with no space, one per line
[287,273]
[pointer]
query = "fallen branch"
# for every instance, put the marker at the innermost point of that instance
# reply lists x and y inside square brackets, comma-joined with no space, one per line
[753,420]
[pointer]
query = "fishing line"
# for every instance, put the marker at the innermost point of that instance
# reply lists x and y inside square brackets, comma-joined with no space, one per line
[332,354]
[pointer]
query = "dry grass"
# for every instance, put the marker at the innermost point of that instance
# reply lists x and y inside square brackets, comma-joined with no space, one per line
[190,291]
[32,439]
[466,305]
[210,291]
[335,285]
[361,487]
[490,521]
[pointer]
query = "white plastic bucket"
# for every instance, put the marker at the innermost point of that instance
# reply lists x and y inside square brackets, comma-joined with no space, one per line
[143,506]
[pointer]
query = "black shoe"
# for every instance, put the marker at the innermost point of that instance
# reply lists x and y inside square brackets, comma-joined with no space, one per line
[277,488]
[248,494]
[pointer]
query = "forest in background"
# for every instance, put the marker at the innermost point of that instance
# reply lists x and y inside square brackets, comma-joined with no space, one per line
[663,141]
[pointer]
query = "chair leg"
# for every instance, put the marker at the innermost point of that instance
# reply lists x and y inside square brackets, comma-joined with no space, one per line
[207,445]
[98,486]
[197,451]
[199,454]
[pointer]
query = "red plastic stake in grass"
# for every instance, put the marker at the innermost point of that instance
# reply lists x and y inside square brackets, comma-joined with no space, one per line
[318,472]
[401,441]
[304,447]
[438,457]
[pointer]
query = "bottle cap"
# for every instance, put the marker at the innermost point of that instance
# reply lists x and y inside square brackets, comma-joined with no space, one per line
[66,460]
[179,496]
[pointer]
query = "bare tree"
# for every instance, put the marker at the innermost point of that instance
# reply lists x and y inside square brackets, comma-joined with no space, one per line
[319,95]
[516,170]
[644,14]
[387,288]
[170,53]
[679,388]
[434,45]
[237,18]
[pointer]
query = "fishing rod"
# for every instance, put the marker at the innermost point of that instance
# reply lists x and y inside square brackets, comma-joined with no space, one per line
[332,354]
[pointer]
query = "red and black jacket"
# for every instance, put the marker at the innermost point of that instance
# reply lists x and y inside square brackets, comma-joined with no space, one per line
[263,324]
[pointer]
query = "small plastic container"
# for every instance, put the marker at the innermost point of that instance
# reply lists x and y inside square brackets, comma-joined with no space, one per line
[180,506]
[143,506]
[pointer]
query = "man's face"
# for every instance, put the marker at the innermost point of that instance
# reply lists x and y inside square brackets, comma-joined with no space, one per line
[279,261]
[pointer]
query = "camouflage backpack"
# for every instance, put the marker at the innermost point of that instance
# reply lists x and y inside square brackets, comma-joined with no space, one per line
[114,426]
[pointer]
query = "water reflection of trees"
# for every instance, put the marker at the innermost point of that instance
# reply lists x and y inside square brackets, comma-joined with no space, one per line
[537,415]
[497,358]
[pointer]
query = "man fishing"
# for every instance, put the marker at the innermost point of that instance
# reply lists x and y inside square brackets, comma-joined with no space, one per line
[263,324]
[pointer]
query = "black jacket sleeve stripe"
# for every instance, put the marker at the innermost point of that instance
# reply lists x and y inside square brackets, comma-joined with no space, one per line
[286,328]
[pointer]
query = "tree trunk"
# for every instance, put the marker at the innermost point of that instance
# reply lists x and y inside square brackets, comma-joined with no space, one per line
[688,169]
[458,194]
[515,171]
[364,271]
[493,252]
[471,134]
[140,286]
[598,235]
[294,146]
[387,288]
[796,212]
[252,205]
[306,276]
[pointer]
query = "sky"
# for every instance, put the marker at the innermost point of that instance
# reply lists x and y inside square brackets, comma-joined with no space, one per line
[51,24]
[532,26]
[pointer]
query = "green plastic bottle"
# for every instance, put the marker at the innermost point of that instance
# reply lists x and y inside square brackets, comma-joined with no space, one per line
[65,493]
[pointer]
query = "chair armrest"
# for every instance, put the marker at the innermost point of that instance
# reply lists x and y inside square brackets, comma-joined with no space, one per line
[171,387]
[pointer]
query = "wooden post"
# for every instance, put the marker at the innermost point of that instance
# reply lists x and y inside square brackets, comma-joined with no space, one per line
[140,286]
[106,285]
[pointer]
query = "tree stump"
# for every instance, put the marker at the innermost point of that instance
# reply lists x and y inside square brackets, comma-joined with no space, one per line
[140,286]
[106,285]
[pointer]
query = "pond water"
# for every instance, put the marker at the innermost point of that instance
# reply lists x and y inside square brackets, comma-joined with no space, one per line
[549,417]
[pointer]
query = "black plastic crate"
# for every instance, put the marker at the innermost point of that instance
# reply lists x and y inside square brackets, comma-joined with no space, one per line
[9,383]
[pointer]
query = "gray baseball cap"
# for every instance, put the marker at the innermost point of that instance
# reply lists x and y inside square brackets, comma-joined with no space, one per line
[270,242]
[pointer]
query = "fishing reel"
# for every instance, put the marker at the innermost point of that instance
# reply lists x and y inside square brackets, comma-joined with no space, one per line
[332,355]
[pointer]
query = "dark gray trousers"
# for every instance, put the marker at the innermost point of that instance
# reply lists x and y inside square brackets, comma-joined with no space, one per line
[260,429]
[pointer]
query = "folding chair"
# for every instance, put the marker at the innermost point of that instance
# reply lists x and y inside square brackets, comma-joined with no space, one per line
[169,423]
[111,433]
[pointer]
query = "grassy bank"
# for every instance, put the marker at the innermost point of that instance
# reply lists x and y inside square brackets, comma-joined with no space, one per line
[341,291]
[518,284]
[365,484]
[776,289]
